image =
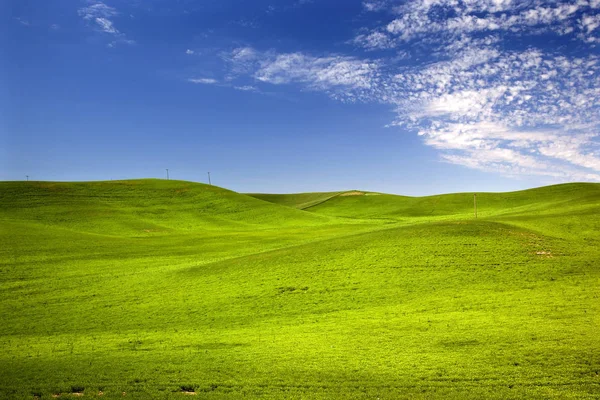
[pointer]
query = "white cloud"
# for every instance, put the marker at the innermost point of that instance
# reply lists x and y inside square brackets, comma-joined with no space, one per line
[513,110]
[243,54]
[375,5]
[317,72]
[347,76]
[204,81]
[23,21]
[517,112]
[455,17]
[97,10]
[375,40]
[590,22]
[106,25]
[246,88]
[242,60]
[102,16]
[189,52]
[121,40]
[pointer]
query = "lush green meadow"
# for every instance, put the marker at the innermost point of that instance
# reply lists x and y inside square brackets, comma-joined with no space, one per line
[165,289]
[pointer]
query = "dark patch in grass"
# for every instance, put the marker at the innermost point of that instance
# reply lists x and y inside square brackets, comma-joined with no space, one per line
[290,289]
[77,389]
[214,346]
[459,343]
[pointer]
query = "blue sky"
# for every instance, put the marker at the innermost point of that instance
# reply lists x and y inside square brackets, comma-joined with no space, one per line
[410,97]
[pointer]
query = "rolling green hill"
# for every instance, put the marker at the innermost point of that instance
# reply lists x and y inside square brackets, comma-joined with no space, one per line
[575,199]
[299,200]
[164,289]
[137,207]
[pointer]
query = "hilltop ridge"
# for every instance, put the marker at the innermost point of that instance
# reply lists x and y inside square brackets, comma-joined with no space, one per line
[142,205]
[364,204]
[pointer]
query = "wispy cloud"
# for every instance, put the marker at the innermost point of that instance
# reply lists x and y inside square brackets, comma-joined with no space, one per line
[346,77]
[97,9]
[22,21]
[203,81]
[101,16]
[375,40]
[453,17]
[520,111]
[246,88]
[375,5]
[317,72]
[224,84]
[287,6]
[475,79]
[516,112]
[107,26]
[246,23]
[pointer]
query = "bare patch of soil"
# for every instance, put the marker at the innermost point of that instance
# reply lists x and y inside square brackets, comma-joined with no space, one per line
[355,193]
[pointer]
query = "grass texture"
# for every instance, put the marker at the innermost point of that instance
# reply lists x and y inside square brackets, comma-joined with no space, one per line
[165,289]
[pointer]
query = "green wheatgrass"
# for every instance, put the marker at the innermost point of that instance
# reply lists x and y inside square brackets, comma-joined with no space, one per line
[165,289]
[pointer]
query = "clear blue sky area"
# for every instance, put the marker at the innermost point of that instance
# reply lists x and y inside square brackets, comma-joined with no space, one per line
[410,97]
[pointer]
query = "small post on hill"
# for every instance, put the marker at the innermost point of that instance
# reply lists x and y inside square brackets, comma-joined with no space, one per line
[475,203]
[167,173]
[209,179]
[27,178]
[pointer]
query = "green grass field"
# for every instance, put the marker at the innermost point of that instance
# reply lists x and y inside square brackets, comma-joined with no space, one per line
[165,289]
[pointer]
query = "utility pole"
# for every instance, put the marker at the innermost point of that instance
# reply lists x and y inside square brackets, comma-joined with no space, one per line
[475,203]
[209,179]
[167,173]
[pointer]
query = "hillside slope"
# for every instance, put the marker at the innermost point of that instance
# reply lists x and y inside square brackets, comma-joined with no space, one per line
[565,210]
[360,297]
[548,199]
[142,206]
[298,200]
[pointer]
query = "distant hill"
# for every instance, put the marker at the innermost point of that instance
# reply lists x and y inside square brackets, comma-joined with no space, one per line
[572,200]
[299,200]
[145,205]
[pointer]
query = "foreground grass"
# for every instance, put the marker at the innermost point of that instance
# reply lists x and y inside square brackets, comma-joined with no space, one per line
[119,293]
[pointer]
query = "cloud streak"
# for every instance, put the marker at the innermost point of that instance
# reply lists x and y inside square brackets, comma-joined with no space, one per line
[101,17]
[204,81]
[481,98]
[347,78]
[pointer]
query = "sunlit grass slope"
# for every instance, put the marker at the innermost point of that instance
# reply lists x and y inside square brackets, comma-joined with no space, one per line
[364,297]
[145,206]
[549,200]
[299,200]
